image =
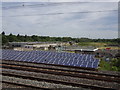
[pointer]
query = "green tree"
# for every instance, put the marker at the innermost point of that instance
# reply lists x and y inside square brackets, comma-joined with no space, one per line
[4,40]
[18,35]
[12,38]
[3,33]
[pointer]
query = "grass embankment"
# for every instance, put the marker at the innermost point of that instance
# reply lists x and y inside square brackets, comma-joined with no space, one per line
[113,65]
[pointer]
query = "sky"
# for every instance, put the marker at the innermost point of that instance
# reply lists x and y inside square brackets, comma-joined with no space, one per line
[61,19]
[60,0]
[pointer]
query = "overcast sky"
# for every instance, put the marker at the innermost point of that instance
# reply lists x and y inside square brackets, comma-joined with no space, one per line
[76,19]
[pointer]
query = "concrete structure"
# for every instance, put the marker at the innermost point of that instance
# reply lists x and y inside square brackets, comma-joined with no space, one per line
[83,51]
[42,46]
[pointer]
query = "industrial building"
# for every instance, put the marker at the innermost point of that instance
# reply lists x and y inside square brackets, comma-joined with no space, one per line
[35,46]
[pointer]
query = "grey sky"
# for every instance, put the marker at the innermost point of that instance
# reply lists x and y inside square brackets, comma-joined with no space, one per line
[61,19]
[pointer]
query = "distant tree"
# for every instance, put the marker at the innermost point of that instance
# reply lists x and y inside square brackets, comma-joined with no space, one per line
[35,38]
[25,36]
[58,39]
[12,38]
[4,40]
[3,33]
[10,34]
[18,35]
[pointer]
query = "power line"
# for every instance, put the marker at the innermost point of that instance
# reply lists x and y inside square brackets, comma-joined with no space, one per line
[31,5]
[60,13]
[44,4]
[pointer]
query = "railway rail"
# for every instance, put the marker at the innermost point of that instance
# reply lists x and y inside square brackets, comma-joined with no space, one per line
[33,72]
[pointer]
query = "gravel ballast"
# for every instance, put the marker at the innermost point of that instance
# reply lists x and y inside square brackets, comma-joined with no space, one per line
[35,83]
[63,78]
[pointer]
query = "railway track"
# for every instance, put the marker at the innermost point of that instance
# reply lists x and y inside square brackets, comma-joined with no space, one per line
[103,77]
[91,80]
[75,82]
[63,68]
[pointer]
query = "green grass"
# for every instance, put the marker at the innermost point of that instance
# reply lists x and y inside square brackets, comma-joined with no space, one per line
[108,66]
[104,65]
[98,44]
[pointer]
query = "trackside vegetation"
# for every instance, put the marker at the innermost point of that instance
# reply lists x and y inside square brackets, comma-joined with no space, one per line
[35,38]
[113,65]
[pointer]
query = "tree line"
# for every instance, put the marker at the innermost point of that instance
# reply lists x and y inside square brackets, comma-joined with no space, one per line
[35,38]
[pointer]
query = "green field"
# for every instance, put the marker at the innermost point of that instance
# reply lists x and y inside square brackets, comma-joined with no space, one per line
[100,45]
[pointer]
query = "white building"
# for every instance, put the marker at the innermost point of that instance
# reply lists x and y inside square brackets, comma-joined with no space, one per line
[35,45]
